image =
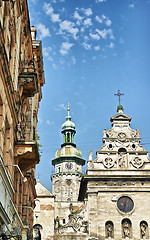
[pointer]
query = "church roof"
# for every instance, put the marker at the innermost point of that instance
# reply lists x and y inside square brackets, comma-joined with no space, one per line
[42,191]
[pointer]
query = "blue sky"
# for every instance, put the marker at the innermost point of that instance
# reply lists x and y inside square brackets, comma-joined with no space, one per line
[91,48]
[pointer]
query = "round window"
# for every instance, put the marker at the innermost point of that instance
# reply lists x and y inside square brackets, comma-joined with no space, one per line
[125,204]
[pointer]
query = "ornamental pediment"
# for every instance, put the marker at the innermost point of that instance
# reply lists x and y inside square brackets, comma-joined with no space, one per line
[121,117]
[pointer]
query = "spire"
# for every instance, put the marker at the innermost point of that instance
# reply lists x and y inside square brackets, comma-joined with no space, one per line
[68,109]
[68,130]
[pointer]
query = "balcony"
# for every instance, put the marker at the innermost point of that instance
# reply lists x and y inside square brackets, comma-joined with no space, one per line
[26,150]
[28,78]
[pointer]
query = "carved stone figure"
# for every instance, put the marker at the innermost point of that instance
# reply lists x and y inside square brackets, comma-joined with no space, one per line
[90,155]
[143,227]
[109,229]
[137,133]
[104,133]
[126,229]
[57,222]
[122,160]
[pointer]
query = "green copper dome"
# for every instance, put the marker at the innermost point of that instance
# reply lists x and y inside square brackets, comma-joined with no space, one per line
[68,124]
[68,151]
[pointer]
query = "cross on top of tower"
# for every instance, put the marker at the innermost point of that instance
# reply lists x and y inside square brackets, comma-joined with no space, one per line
[68,109]
[119,94]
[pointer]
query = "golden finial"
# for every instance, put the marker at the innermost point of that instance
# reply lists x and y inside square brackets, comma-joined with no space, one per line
[68,109]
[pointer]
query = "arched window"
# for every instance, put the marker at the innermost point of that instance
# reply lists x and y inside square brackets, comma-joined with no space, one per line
[126,228]
[37,231]
[122,150]
[144,229]
[109,229]
[68,137]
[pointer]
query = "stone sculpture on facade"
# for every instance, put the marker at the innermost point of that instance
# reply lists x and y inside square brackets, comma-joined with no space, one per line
[143,228]
[109,229]
[126,227]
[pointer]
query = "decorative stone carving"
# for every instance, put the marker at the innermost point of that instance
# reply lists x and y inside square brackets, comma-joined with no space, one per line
[90,165]
[76,223]
[108,162]
[109,132]
[122,136]
[109,229]
[122,161]
[137,162]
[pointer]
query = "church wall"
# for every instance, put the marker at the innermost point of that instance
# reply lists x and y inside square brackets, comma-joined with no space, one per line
[44,215]
[102,208]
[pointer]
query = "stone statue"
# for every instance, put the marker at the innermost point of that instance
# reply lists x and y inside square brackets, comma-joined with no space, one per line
[109,230]
[143,227]
[104,133]
[57,224]
[122,160]
[126,229]
[71,207]
[90,155]
[137,133]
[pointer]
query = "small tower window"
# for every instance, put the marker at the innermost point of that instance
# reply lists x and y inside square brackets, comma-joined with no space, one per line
[64,221]
[68,137]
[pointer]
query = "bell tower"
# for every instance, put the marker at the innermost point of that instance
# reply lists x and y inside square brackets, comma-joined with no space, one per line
[68,164]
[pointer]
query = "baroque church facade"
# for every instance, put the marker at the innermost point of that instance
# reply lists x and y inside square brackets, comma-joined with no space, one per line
[112,200]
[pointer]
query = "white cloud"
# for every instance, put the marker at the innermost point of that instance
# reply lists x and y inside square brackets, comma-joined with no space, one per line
[46,51]
[111,45]
[88,12]
[55,18]
[68,26]
[105,32]
[48,8]
[108,22]
[60,107]
[87,22]
[77,16]
[97,48]
[65,47]
[73,60]
[54,66]
[94,36]
[121,40]
[100,1]
[98,19]
[40,120]
[82,105]
[49,122]
[86,45]
[44,32]
[131,5]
